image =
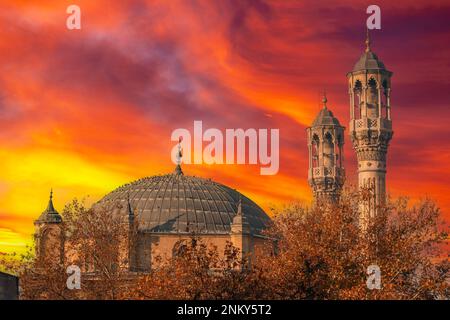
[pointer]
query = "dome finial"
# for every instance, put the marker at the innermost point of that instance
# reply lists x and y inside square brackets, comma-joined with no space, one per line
[324,99]
[367,40]
[179,156]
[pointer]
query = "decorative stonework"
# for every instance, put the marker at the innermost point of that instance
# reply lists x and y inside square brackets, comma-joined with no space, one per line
[371,155]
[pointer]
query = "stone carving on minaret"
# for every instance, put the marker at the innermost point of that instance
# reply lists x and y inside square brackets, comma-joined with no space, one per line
[326,172]
[370,126]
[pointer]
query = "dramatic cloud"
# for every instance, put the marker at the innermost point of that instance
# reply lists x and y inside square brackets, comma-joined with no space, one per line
[84,111]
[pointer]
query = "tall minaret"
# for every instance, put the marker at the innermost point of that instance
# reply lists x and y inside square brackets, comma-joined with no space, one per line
[370,125]
[326,172]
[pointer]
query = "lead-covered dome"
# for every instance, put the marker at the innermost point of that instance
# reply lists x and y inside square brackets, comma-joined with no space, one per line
[176,203]
[325,117]
[369,61]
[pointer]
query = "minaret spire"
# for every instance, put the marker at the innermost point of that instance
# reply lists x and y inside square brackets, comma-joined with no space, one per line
[324,99]
[367,40]
[50,215]
[50,206]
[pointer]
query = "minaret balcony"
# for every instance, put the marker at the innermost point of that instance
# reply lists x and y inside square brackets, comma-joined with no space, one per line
[326,172]
[371,124]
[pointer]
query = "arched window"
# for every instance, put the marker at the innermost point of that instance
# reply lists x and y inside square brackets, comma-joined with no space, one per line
[179,248]
[328,150]
[315,151]
[358,87]
[358,96]
[372,99]
[373,92]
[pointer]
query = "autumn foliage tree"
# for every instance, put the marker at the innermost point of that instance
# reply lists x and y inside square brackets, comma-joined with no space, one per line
[319,251]
[323,253]
[200,271]
[96,241]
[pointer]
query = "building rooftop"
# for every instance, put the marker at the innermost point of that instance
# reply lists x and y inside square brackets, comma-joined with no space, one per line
[325,116]
[175,203]
[368,60]
[50,215]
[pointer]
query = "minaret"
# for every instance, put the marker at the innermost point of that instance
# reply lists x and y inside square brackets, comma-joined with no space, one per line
[370,126]
[49,234]
[326,172]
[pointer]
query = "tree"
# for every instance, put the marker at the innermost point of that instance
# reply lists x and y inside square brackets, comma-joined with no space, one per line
[316,252]
[323,253]
[198,272]
[96,240]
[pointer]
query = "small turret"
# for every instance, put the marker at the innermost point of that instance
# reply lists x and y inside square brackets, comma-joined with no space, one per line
[49,234]
[240,223]
[241,234]
[50,215]
[131,241]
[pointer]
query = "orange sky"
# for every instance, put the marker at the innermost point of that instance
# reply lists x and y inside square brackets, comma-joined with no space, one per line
[85,111]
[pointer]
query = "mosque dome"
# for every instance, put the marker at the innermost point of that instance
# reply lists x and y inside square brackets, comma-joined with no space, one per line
[180,204]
